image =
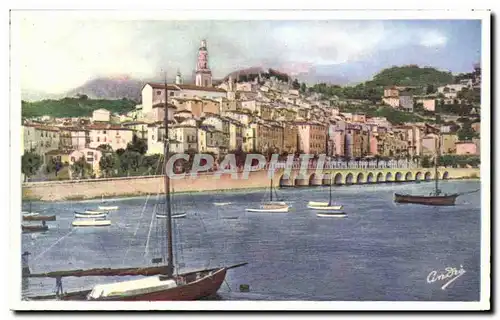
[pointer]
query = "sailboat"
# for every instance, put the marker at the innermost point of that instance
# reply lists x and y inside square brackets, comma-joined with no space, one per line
[107,208]
[35,216]
[271,205]
[324,205]
[176,215]
[436,197]
[160,283]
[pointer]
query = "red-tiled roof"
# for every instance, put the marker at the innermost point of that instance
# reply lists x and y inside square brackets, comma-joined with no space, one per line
[162,86]
[107,127]
[194,87]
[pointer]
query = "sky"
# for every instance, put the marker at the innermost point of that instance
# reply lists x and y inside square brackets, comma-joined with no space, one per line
[57,55]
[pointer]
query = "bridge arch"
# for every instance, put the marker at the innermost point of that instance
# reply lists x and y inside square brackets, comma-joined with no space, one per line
[301,180]
[359,178]
[409,176]
[327,179]
[399,176]
[369,178]
[349,178]
[380,177]
[427,176]
[388,177]
[286,181]
[418,176]
[316,179]
[338,178]
[446,175]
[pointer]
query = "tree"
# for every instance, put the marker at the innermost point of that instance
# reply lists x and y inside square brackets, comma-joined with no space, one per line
[426,162]
[296,84]
[53,165]
[430,89]
[137,145]
[120,151]
[81,169]
[105,148]
[109,163]
[30,163]
[303,87]
[130,160]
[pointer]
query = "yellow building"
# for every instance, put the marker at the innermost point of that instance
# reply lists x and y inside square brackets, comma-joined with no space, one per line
[290,138]
[448,143]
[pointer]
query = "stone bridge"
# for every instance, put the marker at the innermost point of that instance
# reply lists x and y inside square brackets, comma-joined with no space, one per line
[360,176]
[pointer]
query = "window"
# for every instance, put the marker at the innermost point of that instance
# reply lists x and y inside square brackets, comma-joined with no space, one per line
[153,137]
[171,93]
[104,132]
[90,154]
[104,139]
[90,159]
[72,159]
[98,140]
[158,93]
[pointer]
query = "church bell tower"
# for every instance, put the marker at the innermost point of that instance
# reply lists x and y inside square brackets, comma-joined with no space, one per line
[203,76]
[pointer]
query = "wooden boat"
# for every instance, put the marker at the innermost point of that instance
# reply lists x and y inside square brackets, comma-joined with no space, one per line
[431,200]
[39,228]
[78,215]
[325,205]
[271,206]
[167,286]
[39,217]
[435,198]
[331,214]
[91,223]
[29,214]
[174,216]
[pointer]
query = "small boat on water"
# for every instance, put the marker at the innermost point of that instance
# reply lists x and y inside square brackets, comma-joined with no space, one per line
[106,208]
[38,217]
[91,223]
[435,199]
[271,206]
[331,214]
[33,228]
[222,203]
[325,205]
[29,214]
[78,215]
[91,212]
[174,216]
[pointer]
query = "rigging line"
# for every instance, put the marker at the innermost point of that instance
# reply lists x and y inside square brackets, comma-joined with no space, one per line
[59,240]
[473,191]
[146,249]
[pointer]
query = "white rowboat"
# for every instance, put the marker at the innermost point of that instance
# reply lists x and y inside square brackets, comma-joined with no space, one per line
[91,212]
[332,215]
[271,207]
[91,223]
[174,216]
[221,203]
[108,207]
[29,214]
[323,206]
[79,215]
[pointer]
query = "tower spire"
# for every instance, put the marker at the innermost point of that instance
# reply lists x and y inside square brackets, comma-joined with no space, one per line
[203,76]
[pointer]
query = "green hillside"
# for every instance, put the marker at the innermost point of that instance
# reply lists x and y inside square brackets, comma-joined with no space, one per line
[74,107]
[411,75]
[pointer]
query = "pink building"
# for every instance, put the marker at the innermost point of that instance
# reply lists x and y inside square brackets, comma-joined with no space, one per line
[429,104]
[337,139]
[373,145]
[466,147]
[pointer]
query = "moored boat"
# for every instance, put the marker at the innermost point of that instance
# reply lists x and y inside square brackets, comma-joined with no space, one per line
[79,215]
[29,214]
[91,212]
[323,206]
[91,223]
[106,208]
[38,228]
[331,214]
[270,207]
[432,200]
[174,216]
[39,217]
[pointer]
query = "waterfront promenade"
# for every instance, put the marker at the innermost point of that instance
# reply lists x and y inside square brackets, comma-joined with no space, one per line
[134,186]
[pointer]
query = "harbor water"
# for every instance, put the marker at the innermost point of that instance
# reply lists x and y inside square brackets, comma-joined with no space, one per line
[381,251]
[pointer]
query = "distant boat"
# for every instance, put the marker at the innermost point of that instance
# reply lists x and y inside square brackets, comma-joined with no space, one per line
[325,205]
[331,214]
[29,214]
[79,215]
[108,208]
[174,216]
[91,223]
[271,206]
[221,203]
[38,217]
[91,212]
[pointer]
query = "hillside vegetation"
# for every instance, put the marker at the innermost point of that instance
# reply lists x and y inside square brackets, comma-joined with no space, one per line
[74,107]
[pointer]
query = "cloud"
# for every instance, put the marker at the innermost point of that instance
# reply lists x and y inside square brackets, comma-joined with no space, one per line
[58,54]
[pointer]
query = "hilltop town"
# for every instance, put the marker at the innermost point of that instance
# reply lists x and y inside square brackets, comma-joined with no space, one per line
[262,111]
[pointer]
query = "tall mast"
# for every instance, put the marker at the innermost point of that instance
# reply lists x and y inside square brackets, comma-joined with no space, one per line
[438,152]
[271,189]
[330,199]
[170,251]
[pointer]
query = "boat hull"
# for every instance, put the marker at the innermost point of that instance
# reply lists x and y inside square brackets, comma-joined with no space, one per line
[284,209]
[316,207]
[108,207]
[99,223]
[90,213]
[174,216]
[26,229]
[79,215]
[447,200]
[332,215]
[38,217]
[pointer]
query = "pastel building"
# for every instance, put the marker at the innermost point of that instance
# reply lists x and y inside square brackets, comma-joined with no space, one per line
[466,147]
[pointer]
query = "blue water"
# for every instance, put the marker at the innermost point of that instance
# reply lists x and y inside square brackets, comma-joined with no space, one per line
[380,251]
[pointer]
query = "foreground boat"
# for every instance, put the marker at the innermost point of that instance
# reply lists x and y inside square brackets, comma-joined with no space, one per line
[174,216]
[38,217]
[91,223]
[108,208]
[162,284]
[91,212]
[29,229]
[331,214]
[431,200]
[29,214]
[323,206]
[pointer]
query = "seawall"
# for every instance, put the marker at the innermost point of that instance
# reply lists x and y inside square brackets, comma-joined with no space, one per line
[133,186]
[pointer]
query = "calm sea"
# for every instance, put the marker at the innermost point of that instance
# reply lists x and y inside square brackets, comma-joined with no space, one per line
[380,251]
